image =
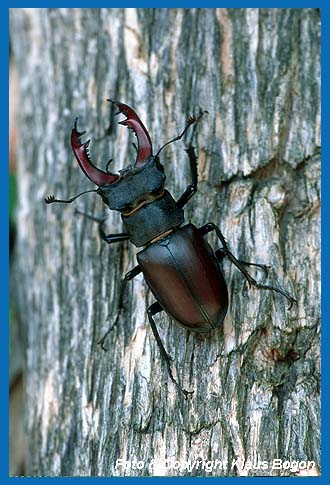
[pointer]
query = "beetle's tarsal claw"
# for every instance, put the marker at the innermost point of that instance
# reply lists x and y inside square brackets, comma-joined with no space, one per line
[101,342]
[103,347]
[187,393]
[292,301]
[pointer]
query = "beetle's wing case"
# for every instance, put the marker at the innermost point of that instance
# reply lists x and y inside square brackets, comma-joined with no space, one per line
[185,277]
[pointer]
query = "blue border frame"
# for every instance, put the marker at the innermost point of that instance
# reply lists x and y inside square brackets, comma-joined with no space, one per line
[4,194]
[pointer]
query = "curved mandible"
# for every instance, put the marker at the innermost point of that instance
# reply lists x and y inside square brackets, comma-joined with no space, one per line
[82,155]
[134,123]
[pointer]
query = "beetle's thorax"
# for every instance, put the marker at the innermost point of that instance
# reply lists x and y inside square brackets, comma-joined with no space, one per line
[146,199]
[134,186]
[147,209]
[153,219]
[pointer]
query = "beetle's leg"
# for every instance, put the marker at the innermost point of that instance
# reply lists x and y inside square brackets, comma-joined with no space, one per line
[112,238]
[128,277]
[220,255]
[192,188]
[153,310]
[264,267]
[109,238]
[225,250]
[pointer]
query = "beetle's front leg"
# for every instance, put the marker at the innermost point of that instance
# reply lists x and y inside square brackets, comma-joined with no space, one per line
[240,264]
[153,310]
[192,188]
[109,238]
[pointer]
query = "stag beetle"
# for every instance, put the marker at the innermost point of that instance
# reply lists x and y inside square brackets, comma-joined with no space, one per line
[180,267]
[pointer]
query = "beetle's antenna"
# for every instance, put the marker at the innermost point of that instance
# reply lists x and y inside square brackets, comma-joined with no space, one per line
[50,198]
[190,121]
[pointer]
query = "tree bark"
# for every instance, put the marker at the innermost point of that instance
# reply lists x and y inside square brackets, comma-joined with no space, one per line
[256,380]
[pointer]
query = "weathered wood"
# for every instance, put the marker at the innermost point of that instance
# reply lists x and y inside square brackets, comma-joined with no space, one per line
[256,381]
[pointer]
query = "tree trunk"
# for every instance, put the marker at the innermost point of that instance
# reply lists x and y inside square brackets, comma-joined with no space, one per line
[256,380]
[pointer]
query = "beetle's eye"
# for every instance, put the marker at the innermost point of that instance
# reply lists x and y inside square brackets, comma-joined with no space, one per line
[103,195]
[127,208]
[159,165]
[158,191]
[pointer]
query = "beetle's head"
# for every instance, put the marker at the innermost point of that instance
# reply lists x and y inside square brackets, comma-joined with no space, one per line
[139,183]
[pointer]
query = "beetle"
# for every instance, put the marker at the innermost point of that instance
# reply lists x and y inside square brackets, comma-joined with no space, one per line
[181,269]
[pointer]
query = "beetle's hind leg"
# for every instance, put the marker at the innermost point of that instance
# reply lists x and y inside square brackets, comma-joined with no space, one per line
[128,277]
[153,310]
[224,252]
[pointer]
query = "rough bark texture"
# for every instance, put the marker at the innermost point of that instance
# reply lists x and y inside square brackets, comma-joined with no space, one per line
[256,381]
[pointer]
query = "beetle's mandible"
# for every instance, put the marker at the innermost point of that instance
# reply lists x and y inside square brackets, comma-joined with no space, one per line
[180,267]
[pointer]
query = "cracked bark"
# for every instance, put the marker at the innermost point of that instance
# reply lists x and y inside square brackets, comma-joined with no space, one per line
[256,380]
